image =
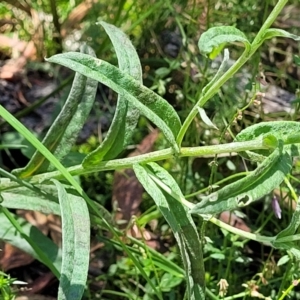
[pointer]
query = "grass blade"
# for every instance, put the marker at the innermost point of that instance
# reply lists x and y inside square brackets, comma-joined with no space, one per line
[294,224]
[19,233]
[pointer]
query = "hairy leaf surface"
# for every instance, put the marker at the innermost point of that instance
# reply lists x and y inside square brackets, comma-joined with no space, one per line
[217,36]
[155,108]
[126,115]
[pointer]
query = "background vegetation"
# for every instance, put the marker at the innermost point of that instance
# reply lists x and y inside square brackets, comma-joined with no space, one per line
[165,34]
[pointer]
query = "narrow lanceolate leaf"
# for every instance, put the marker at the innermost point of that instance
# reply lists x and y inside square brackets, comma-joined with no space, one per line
[75,244]
[78,119]
[289,231]
[167,195]
[23,198]
[288,238]
[9,234]
[63,133]
[155,108]
[275,32]
[222,69]
[44,198]
[126,115]
[216,36]
[205,118]
[268,176]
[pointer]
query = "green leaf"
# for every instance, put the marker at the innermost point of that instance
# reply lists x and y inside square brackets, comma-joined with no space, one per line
[155,108]
[169,281]
[63,132]
[280,129]
[43,198]
[297,60]
[220,71]
[282,241]
[126,115]
[9,234]
[205,118]
[267,176]
[275,32]
[164,190]
[216,51]
[72,159]
[218,256]
[75,244]
[163,72]
[295,251]
[23,198]
[217,36]
[287,131]
[283,260]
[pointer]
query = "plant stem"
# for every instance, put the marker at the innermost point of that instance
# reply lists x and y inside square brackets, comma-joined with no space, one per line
[210,93]
[289,289]
[232,70]
[248,235]
[154,156]
[217,183]
[270,20]
[58,37]
[64,173]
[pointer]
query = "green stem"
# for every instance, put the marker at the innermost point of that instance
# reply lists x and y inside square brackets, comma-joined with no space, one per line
[248,235]
[217,183]
[58,37]
[214,88]
[210,93]
[289,289]
[151,157]
[270,20]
